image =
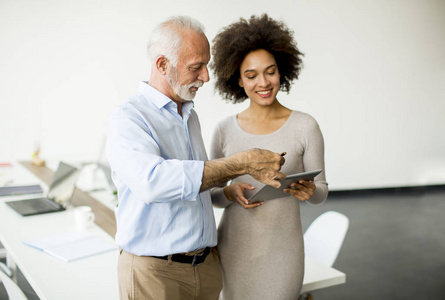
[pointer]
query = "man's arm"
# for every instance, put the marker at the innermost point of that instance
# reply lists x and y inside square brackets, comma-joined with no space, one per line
[263,165]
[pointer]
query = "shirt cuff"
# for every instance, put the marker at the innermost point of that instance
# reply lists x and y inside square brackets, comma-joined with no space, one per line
[192,176]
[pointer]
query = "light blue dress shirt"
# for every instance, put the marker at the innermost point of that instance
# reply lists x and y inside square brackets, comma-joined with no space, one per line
[157,161]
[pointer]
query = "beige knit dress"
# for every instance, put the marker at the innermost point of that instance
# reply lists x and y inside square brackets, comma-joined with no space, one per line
[261,249]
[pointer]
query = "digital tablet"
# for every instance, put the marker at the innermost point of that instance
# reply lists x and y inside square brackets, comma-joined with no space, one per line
[269,192]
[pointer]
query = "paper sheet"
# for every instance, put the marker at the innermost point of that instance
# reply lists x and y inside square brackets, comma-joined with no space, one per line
[71,246]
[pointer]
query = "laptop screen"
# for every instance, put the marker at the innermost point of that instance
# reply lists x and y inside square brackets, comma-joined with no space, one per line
[63,184]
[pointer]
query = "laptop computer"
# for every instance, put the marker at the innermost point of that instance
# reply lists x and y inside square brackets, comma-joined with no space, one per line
[58,197]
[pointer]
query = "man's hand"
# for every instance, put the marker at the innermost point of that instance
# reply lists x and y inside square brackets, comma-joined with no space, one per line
[264,166]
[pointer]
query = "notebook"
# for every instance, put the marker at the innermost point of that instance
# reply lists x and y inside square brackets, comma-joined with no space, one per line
[58,197]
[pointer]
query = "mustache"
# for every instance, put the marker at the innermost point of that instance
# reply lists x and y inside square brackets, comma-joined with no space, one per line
[196,84]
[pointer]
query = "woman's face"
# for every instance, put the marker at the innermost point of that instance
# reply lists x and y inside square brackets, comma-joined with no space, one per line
[259,76]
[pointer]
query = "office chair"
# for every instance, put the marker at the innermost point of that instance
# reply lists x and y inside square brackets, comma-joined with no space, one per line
[12,289]
[324,238]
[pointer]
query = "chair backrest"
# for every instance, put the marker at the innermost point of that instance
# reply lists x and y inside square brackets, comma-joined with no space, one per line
[12,289]
[324,237]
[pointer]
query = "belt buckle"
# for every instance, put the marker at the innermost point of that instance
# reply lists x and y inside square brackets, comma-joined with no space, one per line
[195,257]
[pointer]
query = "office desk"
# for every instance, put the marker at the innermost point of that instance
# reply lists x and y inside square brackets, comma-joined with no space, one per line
[104,216]
[93,277]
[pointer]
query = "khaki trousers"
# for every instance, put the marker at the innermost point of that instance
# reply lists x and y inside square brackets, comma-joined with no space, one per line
[145,277]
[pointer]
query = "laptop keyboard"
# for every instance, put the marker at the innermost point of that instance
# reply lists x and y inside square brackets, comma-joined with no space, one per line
[41,204]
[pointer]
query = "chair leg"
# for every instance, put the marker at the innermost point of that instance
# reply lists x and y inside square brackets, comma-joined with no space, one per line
[10,263]
[4,268]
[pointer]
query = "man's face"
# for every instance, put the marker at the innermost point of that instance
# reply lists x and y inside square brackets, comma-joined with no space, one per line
[191,71]
[185,92]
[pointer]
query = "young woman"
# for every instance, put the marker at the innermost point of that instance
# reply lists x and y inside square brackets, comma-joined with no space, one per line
[261,244]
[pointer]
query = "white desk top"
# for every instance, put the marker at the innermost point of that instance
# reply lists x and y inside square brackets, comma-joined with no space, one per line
[86,278]
[50,277]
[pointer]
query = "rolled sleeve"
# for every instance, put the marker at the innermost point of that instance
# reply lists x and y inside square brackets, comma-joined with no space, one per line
[192,171]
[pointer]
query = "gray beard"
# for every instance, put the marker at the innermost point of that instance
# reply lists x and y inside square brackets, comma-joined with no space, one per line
[183,91]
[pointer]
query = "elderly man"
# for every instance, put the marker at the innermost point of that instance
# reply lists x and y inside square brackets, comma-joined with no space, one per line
[165,223]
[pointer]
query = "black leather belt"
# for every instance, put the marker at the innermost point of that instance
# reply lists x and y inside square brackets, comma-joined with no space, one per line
[188,259]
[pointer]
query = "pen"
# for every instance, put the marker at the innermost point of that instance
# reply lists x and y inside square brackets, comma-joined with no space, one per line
[282,154]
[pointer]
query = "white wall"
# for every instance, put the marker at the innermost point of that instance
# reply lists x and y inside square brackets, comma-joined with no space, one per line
[374,78]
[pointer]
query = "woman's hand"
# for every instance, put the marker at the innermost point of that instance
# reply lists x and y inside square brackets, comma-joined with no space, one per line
[235,192]
[302,190]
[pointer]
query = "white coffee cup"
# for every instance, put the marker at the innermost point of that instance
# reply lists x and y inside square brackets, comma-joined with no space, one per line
[84,217]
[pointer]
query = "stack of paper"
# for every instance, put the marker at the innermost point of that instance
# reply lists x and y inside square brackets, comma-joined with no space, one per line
[71,246]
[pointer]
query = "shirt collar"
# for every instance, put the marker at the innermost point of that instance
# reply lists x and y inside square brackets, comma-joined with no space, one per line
[161,100]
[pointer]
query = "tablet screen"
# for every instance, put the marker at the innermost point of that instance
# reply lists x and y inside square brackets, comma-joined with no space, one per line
[269,192]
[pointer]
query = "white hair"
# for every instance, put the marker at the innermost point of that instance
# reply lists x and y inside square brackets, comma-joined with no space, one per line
[166,38]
